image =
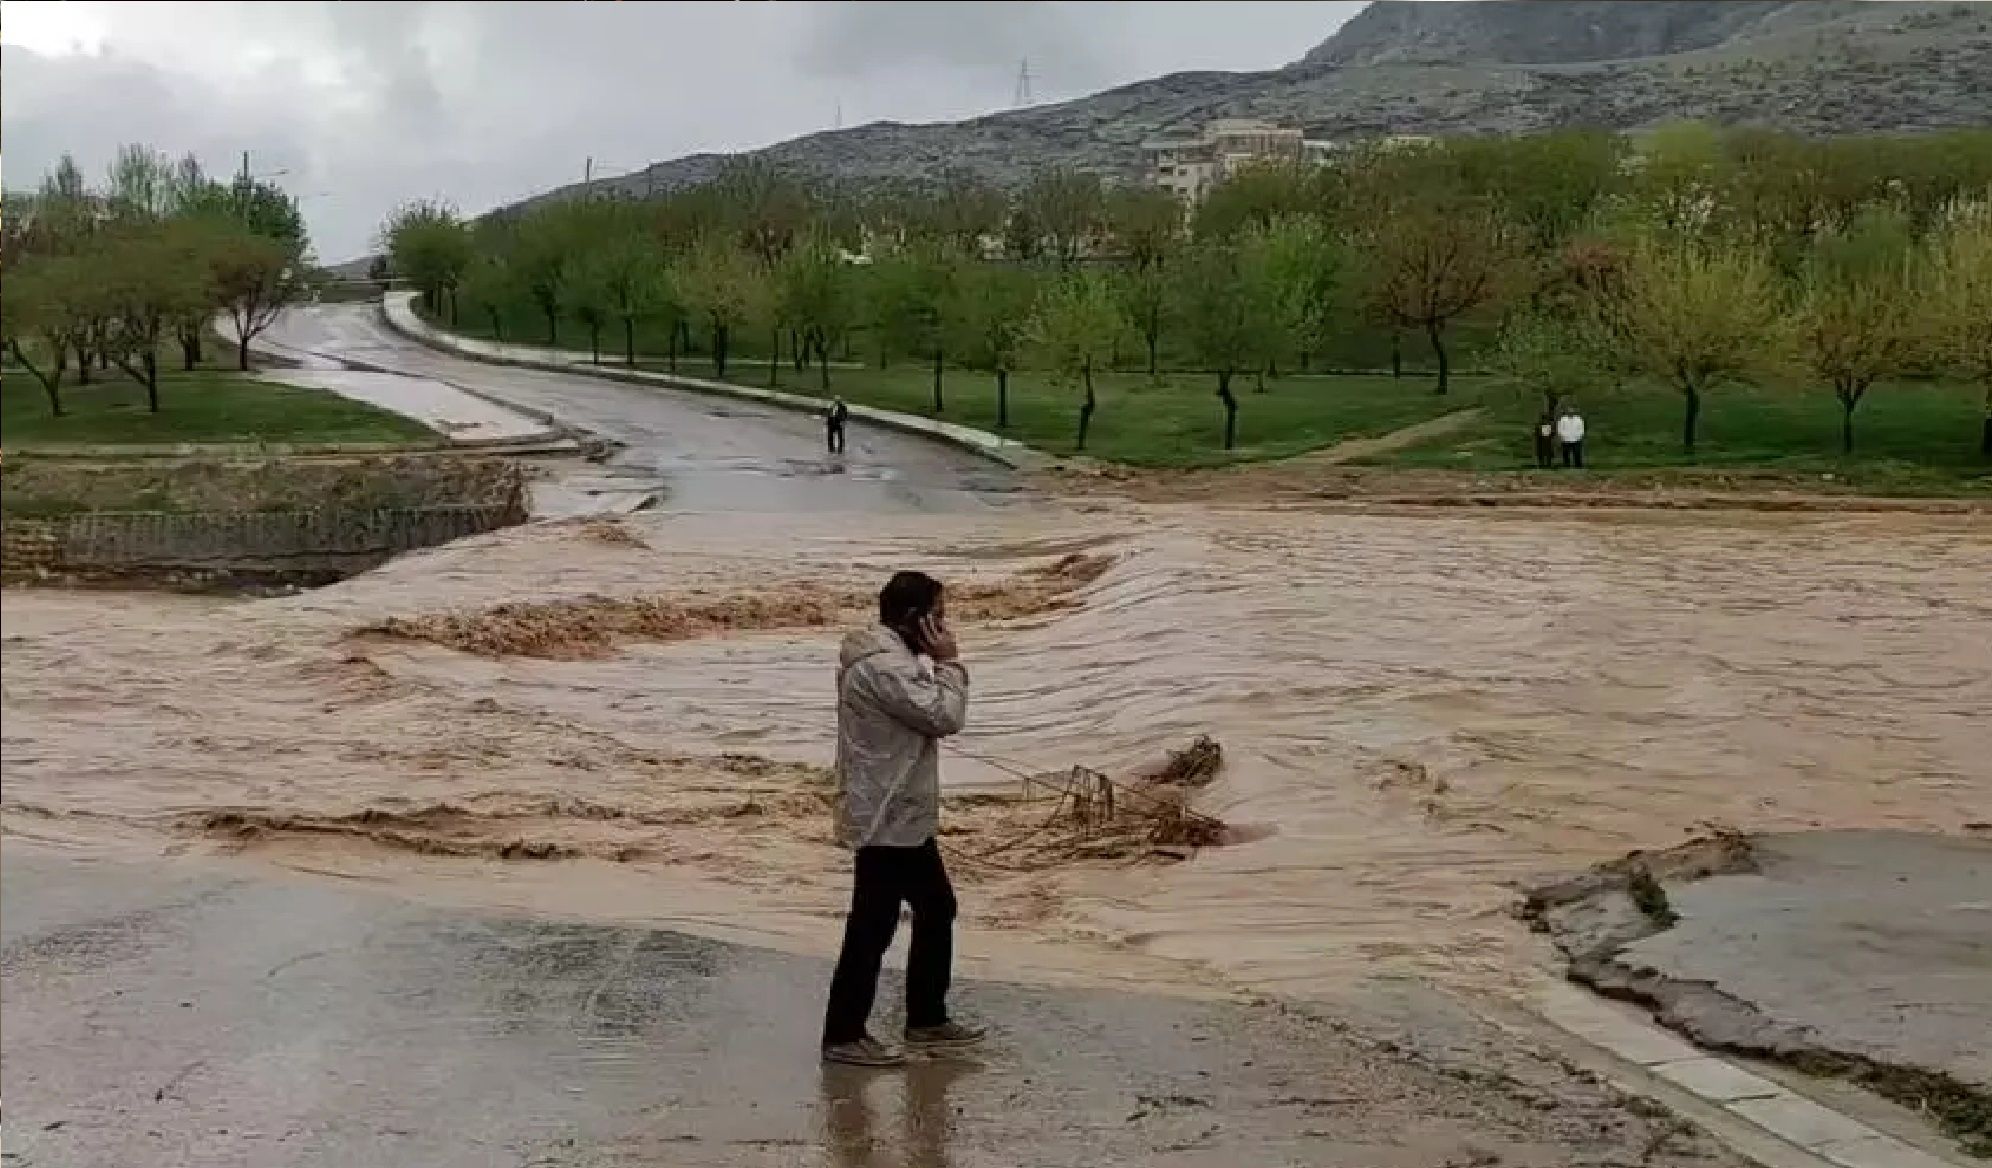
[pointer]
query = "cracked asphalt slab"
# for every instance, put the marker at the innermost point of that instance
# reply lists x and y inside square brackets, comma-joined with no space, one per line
[196,1013]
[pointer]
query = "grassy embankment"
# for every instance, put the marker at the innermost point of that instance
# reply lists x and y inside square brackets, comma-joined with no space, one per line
[1911,438]
[202,406]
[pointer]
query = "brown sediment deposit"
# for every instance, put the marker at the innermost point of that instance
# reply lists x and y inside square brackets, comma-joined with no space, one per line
[593,626]
[1419,712]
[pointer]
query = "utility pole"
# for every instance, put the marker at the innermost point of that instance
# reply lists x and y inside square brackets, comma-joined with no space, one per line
[588,171]
[1023,94]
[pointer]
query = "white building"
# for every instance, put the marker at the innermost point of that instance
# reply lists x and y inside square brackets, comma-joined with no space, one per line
[1190,167]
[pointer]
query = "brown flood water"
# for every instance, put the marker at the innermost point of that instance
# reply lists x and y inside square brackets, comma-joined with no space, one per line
[1418,712]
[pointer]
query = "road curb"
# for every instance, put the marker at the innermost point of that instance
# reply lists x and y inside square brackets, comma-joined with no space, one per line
[1762,1120]
[397,309]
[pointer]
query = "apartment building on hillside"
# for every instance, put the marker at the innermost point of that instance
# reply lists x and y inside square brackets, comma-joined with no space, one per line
[1190,167]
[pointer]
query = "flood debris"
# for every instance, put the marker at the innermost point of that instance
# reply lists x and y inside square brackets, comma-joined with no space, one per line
[1094,816]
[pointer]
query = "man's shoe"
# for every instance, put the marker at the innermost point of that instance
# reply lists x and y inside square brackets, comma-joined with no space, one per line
[946,1036]
[865,1052]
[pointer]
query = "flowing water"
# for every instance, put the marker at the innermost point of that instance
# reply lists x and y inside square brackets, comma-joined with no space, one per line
[1418,710]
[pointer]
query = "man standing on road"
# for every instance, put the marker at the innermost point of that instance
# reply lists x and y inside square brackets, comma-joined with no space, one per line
[901,688]
[834,419]
[1570,433]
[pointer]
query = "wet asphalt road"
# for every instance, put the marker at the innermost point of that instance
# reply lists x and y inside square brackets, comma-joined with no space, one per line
[196,1014]
[714,454]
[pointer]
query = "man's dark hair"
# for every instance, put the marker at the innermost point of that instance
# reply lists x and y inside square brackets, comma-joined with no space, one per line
[907,597]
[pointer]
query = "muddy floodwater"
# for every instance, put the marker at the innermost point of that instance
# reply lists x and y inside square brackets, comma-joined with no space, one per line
[1419,711]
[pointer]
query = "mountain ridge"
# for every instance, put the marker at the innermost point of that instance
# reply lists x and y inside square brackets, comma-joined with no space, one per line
[1467,67]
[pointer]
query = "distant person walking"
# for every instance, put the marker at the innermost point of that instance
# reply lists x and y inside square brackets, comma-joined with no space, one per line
[834,419]
[1545,441]
[1570,434]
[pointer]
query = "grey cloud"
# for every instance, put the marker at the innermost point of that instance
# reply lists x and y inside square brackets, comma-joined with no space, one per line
[856,40]
[370,104]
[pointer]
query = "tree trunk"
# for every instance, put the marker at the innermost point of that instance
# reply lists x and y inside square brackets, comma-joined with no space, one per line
[1688,423]
[1849,398]
[940,404]
[51,382]
[677,330]
[595,342]
[242,353]
[719,337]
[552,326]
[1086,410]
[1154,343]
[1260,385]
[190,348]
[1396,354]
[798,352]
[82,365]
[497,324]
[1230,401]
[823,364]
[775,362]
[1434,330]
[453,308]
[1002,399]
[150,363]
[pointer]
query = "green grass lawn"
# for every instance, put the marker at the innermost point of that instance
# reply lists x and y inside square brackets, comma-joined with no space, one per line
[1176,422]
[206,405]
[1910,437]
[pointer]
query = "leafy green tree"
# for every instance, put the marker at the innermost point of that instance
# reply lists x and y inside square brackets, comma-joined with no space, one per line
[431,247]
[1959,302]
[1856,322]
[148,279]
[1434,262]
[1066,208]
[816,288]
[1145,223]
[1695,317]
[1292,271]
[911,290]
[255,277]
[1255,196]
[490,285]
[542,259]
[585,294]
[1545,354]
[990,319]
[40,319]
[1147,297]
[721,283]
[1073,328]
[1224,327]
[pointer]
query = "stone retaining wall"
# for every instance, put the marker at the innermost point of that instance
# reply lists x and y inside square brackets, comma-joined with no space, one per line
[300,545]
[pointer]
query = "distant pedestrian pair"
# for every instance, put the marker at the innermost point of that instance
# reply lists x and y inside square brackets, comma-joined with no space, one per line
[1563,432]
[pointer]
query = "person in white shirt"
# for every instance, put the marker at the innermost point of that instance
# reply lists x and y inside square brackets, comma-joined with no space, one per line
[1570,435]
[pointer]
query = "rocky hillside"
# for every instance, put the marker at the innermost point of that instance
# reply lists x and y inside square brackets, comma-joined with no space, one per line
[1492,66]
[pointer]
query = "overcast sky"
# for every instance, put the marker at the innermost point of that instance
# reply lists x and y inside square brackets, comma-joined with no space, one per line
[366,104]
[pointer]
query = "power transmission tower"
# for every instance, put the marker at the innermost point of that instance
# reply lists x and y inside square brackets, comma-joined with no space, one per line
[1023,95]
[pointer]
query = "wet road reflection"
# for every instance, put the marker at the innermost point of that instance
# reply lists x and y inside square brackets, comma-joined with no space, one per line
[852,1130]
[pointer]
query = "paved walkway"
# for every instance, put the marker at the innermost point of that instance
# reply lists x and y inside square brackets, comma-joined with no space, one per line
[458,415]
